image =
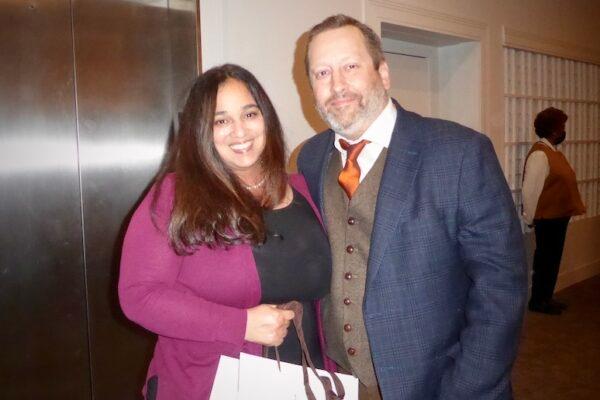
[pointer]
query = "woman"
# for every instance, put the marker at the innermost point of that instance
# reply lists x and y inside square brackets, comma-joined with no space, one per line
[550,199]
[223,235]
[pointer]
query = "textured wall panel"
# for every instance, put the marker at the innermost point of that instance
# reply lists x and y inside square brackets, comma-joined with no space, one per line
[534,82]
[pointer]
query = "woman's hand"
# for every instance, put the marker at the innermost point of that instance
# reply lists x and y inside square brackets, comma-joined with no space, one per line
[267,325]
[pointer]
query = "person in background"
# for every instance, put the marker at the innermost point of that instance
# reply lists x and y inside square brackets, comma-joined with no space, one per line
[223,235]
[429,275]
[550,199]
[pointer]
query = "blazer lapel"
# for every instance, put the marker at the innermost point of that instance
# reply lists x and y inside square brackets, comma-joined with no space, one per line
[401,167]
[321,168]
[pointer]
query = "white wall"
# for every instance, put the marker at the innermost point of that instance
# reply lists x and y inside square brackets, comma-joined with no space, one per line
[458,84]
[454,73]
[413,78]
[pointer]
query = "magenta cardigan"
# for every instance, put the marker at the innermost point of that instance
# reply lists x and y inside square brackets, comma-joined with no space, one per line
[196,304]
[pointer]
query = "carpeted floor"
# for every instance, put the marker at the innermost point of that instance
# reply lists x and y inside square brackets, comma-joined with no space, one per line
[559,356]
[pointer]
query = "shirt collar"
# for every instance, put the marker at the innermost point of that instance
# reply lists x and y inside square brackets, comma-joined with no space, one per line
[547,143]
[380,131]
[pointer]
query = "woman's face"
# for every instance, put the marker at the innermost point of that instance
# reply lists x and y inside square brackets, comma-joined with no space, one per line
[558,136]
[239,130]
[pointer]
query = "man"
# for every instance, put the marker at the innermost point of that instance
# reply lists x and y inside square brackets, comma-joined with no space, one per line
[550,199]
[429,278]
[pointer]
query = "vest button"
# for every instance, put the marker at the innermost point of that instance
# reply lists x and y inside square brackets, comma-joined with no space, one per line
[347,327]
[347,301]
[348,275]
[351,221]
[350,249]
[351,351]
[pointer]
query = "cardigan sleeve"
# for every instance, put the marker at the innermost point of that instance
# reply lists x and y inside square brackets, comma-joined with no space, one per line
[149,292]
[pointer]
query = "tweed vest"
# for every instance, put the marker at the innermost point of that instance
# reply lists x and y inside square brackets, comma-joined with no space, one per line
[560,196]
[349,225]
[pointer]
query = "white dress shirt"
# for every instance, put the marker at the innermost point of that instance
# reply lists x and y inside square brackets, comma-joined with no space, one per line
[379,134]
[537,170]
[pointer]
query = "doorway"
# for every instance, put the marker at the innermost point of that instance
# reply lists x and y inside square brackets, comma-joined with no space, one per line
[434,74]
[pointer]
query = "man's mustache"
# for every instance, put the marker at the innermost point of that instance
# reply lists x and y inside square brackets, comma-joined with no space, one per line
[342,96]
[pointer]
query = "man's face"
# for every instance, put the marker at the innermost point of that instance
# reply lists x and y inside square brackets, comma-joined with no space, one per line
[349,92]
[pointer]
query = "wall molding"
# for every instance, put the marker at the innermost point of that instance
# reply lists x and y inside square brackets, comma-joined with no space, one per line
[435,21]
[528,41]
[580,274]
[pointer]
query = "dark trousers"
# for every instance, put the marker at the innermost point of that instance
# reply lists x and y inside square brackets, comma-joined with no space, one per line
[549,242]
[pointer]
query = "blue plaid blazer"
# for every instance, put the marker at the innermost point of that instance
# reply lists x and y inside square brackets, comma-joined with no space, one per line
[446,276]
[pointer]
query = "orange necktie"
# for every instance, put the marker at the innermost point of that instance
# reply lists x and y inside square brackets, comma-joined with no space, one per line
[350,176]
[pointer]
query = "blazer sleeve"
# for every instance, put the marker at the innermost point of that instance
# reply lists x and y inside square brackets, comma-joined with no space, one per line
[150,294]
[491,247]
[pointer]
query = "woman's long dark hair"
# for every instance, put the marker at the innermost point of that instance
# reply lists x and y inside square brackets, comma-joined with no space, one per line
[211,207]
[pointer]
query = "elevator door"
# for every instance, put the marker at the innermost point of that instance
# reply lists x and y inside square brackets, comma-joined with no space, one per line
[88,93]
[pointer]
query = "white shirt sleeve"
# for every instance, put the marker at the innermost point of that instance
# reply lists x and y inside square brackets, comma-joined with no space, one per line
[536,172]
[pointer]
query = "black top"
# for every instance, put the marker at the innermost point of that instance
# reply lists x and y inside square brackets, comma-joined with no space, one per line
[294,263]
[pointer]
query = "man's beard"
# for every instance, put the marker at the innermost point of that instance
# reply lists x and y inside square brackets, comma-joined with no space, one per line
[348,123]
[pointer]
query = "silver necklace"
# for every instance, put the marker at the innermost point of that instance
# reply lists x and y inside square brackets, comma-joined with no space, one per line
[256,185]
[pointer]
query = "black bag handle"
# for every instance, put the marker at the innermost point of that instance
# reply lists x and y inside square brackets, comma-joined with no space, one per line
[296,307]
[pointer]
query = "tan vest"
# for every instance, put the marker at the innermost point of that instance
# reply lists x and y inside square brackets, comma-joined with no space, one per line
[560,196]
[349,225]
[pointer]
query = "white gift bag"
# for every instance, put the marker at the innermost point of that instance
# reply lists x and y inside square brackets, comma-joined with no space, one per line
[225,386]
[261,378]
[258,378]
